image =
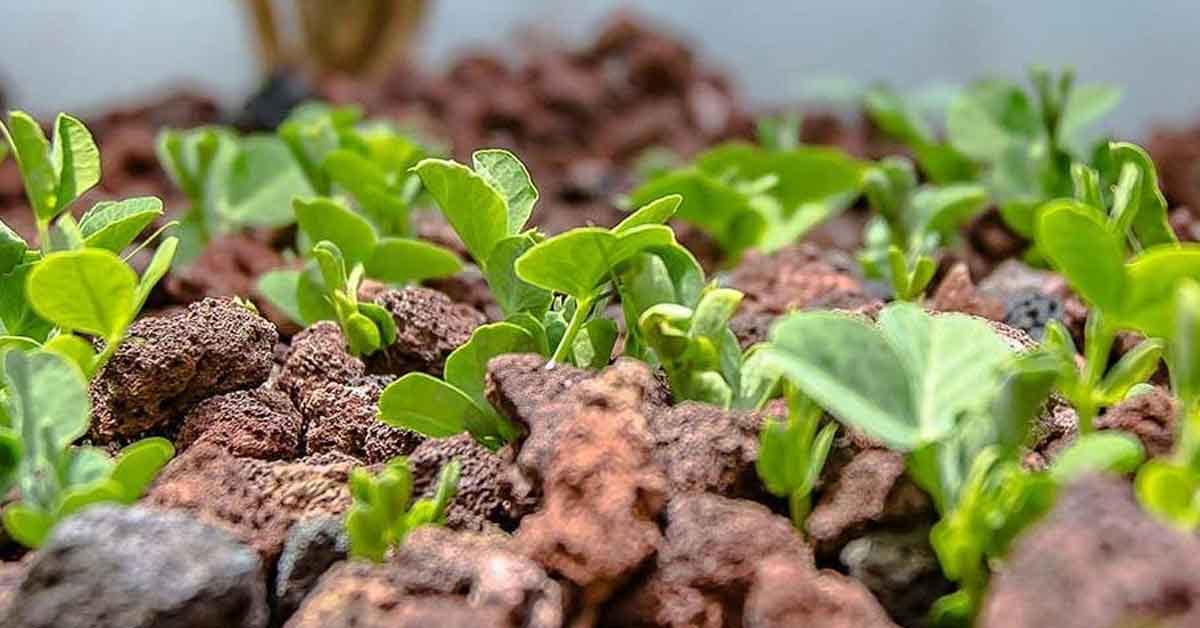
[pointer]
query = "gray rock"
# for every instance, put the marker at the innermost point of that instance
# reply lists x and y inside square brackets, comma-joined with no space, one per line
[139,568]
[312,547]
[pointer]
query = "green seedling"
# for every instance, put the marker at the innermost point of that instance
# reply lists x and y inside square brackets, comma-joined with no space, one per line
[368,327]
[381,516]
[792,453]
[46,411]
[911,223]
[899,116]
[747,197]
[696,348]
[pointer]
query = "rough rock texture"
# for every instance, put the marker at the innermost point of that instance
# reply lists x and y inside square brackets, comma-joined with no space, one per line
[1097,561]
[500,587]
[428,327]
[317,355]
[900,568]
[136,567]
[11,575]
[870,489]
[1151,417]
[957,293]
[229,265]
[591,449]
[704,448]
[312,547]
[258,501]
[706,564]
[788,594]
[343,418]
[259,423]
[167,364]
[484,497]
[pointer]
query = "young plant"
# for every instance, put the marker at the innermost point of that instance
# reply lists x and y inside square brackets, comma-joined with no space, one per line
[900,117]
[696,348]
[747,197]
[368,327]
[381,516]
[911,223]
[792,453]
[45,412]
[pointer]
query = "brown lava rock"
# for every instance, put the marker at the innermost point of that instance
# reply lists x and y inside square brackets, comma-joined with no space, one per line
[472,576]
[229,266]
[259,423]
[706,563]
[167,364]
[786,594]
[317,355]
[428,327]
[1097,561]
[484,497]
[342,417]
[701,448]
[957,293]
[1151,417]
[256,500]
[870,489]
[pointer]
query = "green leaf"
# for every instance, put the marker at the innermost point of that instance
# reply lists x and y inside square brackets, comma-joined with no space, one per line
[944,209]
[32,151]
[593,346]
[76,159]
[1082,247]
[1110,451]
[475,209]
[1135,367]
[261,180]
[368,184]
[512,294]
[1150,283]
[466,367]
[86,465]
[89,290]
[155,271]
[113,225]
[577,262]
[405,260]
[656,212]
[75,349]
[17,317]
[26,525]
[508,176]
[988,118]
[716,207]
[1184,354]
[138,464]
[327,219]
[49,403]
[366,534]
[1169,492]
[12,249]
[1150,220]
[362,335]
[279,288]
[428,405]
[1085,105]
[310,296]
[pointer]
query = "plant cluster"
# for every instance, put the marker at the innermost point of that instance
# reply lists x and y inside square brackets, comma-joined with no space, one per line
[382,514]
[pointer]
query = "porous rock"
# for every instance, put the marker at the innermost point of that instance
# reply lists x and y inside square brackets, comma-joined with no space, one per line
[428,327]
[139,568]
[786,594]
[317,355]
[869,490]
[485,492]
[1150,416]
[343,417]
[703,448]
[259,423]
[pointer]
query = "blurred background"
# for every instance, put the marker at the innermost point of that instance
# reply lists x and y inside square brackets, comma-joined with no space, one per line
[89,56]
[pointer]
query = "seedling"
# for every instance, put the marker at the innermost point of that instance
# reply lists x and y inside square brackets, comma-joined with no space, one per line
[911,223]
[46,411]
[792,453]
[381,516]
[747,197]
[368,327]
[699,353]
[899,116]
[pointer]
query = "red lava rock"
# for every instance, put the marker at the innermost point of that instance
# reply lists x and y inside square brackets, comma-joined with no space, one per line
[428,327]
[168,364]
[1096,561]
[871,489]
[1176,152]
[786,593]
[317,355]
[261,423]
[229,266]
[485,493]
[957,293]
[343,418]
[992,238]
[706,563]
[11,575]
[601,489]
[472,575]
[702,448]
[1151,417]
[258,501]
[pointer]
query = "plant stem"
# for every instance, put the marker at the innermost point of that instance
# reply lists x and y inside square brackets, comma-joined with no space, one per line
[43,233]
[799,505]
[568,340]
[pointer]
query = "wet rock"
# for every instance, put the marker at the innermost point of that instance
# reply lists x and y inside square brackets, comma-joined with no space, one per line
[706,564]
[168,364]
[428,327]
[259,423]
[257,500]
[901,569]
[786,594]
[136,567]
[312,547]
[957,293]
[1097,561]
[869,490]
[1151,417]
[592,453]
[484,497]
[702,448]
[343,418]
[317,355]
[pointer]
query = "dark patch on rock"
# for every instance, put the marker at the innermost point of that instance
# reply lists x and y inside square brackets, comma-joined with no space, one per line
[786,594]
[1097,561]
[168,364]
[135,567]
[259,423]
[258,501]
[901,569]
[484,497]
[311,548]
[1151,417]
[428,327]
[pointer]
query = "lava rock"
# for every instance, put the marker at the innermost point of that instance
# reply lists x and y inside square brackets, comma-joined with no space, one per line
[901,569]
[1097,560]
[957,293]
[168,364]
[786,594]
[428,327]
[135,567]
[1031,311]
[703,448]
[343,418]
[484,497]
[311,548]
[1151,417]
[317,355]
[869,490]
[259,423]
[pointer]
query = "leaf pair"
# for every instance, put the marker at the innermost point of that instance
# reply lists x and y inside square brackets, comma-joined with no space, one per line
[381,516]
[792,453]
[696,348]
[54,174]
